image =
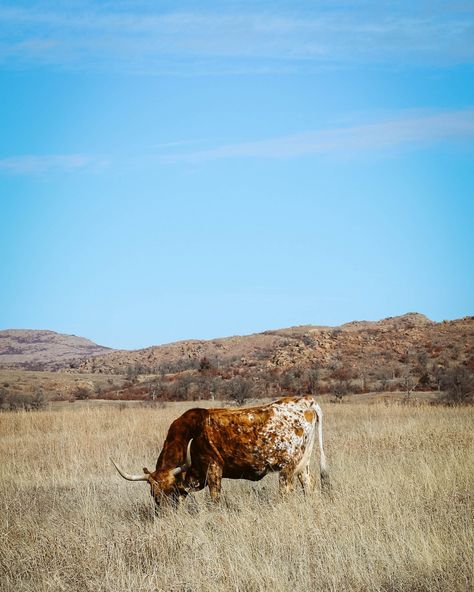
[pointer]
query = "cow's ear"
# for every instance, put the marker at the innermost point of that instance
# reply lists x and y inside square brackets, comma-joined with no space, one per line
[146,471]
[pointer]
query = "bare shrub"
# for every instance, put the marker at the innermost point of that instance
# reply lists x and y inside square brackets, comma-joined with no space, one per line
[293,380]
[458,386]
[38,399]
[340,389]
[16,401]
[313,380]
[409,382]
[81,393]
[239,389]
[205,364]
[180,388]
[3,398]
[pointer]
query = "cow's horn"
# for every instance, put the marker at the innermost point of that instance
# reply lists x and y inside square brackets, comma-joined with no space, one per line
[188,455]
[187,464]
[141,477]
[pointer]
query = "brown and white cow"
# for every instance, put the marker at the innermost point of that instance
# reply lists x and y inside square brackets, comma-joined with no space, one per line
[205,445]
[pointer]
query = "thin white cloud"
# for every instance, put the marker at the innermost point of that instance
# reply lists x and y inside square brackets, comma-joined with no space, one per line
[96,36]
[405,130]
[402,130]
[178,144]
[47,163]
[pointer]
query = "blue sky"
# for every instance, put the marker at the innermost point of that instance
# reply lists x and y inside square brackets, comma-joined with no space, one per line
[194,170]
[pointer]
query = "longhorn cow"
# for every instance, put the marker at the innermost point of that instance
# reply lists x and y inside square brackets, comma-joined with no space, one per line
[205,445]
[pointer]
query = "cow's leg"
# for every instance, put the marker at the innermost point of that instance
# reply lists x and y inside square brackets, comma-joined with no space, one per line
[306,480]
[214,480]
[285,480]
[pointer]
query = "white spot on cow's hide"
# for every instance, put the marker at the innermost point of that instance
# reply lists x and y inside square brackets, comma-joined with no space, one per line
[285,447]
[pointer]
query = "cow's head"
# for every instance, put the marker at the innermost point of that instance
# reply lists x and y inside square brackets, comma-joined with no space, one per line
[165,484]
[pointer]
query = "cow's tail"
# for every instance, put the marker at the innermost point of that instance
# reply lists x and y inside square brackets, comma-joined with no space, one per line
[323,468]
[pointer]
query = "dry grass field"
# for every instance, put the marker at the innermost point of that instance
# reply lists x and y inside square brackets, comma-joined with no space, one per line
[399,517]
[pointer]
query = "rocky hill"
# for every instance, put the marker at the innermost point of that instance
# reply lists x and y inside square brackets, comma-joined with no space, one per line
[42,350]
[398,355]
[361,347]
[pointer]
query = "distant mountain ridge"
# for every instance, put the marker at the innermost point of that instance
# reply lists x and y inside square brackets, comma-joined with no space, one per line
[42,349]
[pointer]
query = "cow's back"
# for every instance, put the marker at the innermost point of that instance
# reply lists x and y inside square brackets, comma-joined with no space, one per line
[248,443]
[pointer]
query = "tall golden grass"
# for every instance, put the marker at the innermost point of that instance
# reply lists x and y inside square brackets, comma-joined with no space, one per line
[399,517]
